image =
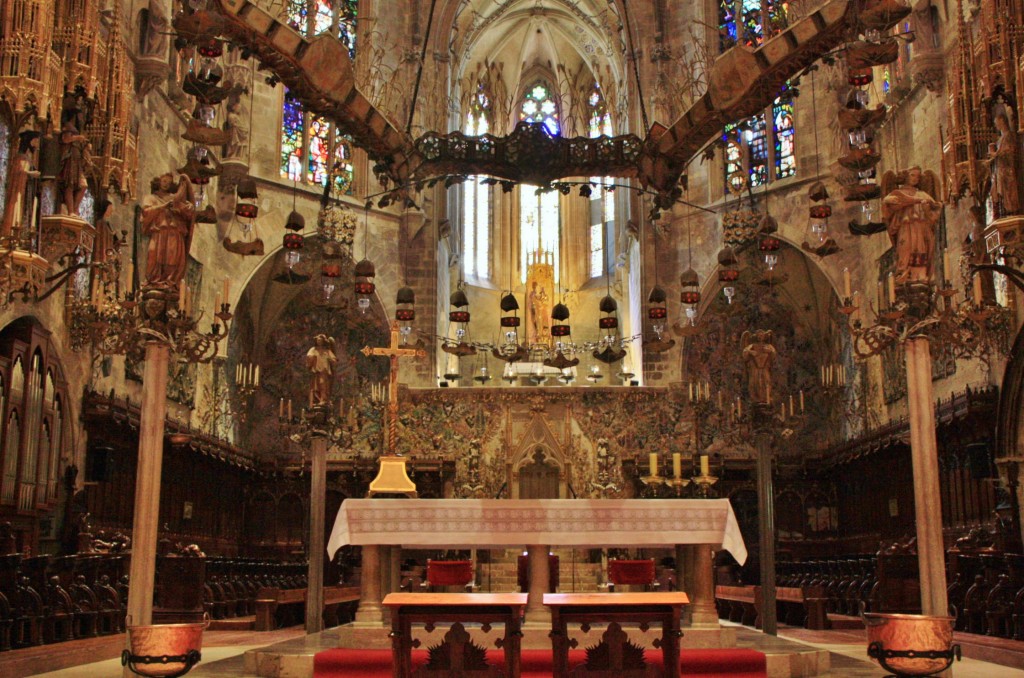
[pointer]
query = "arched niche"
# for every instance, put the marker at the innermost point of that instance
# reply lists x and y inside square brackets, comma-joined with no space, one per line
[538,464]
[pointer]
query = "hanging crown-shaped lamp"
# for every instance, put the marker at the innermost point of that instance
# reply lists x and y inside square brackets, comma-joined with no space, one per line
[560,314]
[460,307]
[689,283]
[656,309]
[293,241]
[728,270]
[609,319]
[404,302]
[245,205]
[363,286]
[510,312]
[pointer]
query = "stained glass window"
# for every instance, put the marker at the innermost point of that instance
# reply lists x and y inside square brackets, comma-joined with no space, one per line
[785,154]
[757,20]
[538,106]
[476,199]
[602,201]
[312,150]
[751,148]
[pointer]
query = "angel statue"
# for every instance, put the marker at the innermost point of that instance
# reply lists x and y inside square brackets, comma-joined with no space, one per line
[910,209]
[758,358]
[321,361]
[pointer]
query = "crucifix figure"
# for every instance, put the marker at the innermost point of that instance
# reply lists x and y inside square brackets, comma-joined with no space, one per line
[394,351]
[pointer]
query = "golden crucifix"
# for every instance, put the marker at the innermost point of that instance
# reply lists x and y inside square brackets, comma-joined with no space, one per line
[394,352]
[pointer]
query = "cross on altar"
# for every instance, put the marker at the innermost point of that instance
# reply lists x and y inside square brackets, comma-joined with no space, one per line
[394,351]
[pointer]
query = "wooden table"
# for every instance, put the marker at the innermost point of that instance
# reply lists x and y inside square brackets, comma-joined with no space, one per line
[456,608]
[615,608]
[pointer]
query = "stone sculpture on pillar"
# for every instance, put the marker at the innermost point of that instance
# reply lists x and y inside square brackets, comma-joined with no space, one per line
[168,218]
[17,186]
[911,211]
[75,163]
[321,361]
[758,359]
[1003,161]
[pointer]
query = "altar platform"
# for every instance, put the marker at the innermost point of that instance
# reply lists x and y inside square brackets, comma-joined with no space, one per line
[294,658]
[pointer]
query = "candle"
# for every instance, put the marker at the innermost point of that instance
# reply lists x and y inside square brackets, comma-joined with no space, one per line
[216,304]
[892,289]
[801,401]
[705,469]
[691,391]
[977,289]
[257,382]
[280,411]
[677,465]
[791,410]
[131,275]
[653,461]
[289,409]
[880,297]
[782,410]
[238,373]
[946,268]
[846,283]
[226,292]
[739,407]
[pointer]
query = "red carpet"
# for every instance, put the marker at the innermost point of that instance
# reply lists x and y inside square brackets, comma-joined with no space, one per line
[352,663]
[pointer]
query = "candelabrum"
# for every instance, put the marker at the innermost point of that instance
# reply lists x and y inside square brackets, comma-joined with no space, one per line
[972,329]
[115,325]
[320,420]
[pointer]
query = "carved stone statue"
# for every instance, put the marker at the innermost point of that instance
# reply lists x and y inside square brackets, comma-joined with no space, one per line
[236,125]
[168,218]
[321,361]
[539,312]
[1003,166]
[911,210]
[75,161]
[155,32]
[758,359]
[17,186]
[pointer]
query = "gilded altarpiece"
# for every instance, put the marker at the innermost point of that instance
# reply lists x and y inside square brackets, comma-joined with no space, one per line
[495,436]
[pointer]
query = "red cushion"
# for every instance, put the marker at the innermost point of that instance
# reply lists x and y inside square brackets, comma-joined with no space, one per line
[449,572]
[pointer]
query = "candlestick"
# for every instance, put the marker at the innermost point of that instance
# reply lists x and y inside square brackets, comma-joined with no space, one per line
[677,465]
[705,468]
[653,461]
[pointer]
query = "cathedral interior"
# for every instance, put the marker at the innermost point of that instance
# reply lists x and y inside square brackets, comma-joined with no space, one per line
[259,258]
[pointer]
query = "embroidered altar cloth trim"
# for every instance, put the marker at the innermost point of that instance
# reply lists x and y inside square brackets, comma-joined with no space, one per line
[501,523]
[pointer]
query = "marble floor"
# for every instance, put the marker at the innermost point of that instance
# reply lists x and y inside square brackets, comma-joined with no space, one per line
[223,650]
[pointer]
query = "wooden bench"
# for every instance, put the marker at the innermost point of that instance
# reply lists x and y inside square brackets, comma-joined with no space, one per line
[799,605]
[737,604]
[269,599]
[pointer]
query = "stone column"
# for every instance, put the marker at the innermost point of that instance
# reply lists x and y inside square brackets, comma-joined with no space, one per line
[317,509]
[703,596]
[931,556]
[146,520]
[766,519]
[370,612]
[537,566]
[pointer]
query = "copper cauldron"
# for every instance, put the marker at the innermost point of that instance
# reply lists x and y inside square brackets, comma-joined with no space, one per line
[163,650]
[911,644]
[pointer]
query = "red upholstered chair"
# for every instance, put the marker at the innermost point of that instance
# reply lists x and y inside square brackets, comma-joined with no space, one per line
[445,574]
[631,573]
[523,577]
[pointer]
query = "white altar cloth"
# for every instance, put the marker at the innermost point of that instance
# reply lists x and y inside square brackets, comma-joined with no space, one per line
[503,523]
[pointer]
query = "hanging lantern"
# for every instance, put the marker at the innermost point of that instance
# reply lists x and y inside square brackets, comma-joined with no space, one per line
[509,304]
[689,281]
[460,306]
[210,48]
[727,263]
[330,271]
[363,286]
[609,307]
[245,205]
[295,222]
[404,301]
[858,77]
[293,245]
[656,309]
[560,327]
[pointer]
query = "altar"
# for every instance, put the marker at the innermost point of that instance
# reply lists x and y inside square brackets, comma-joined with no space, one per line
[538,524]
